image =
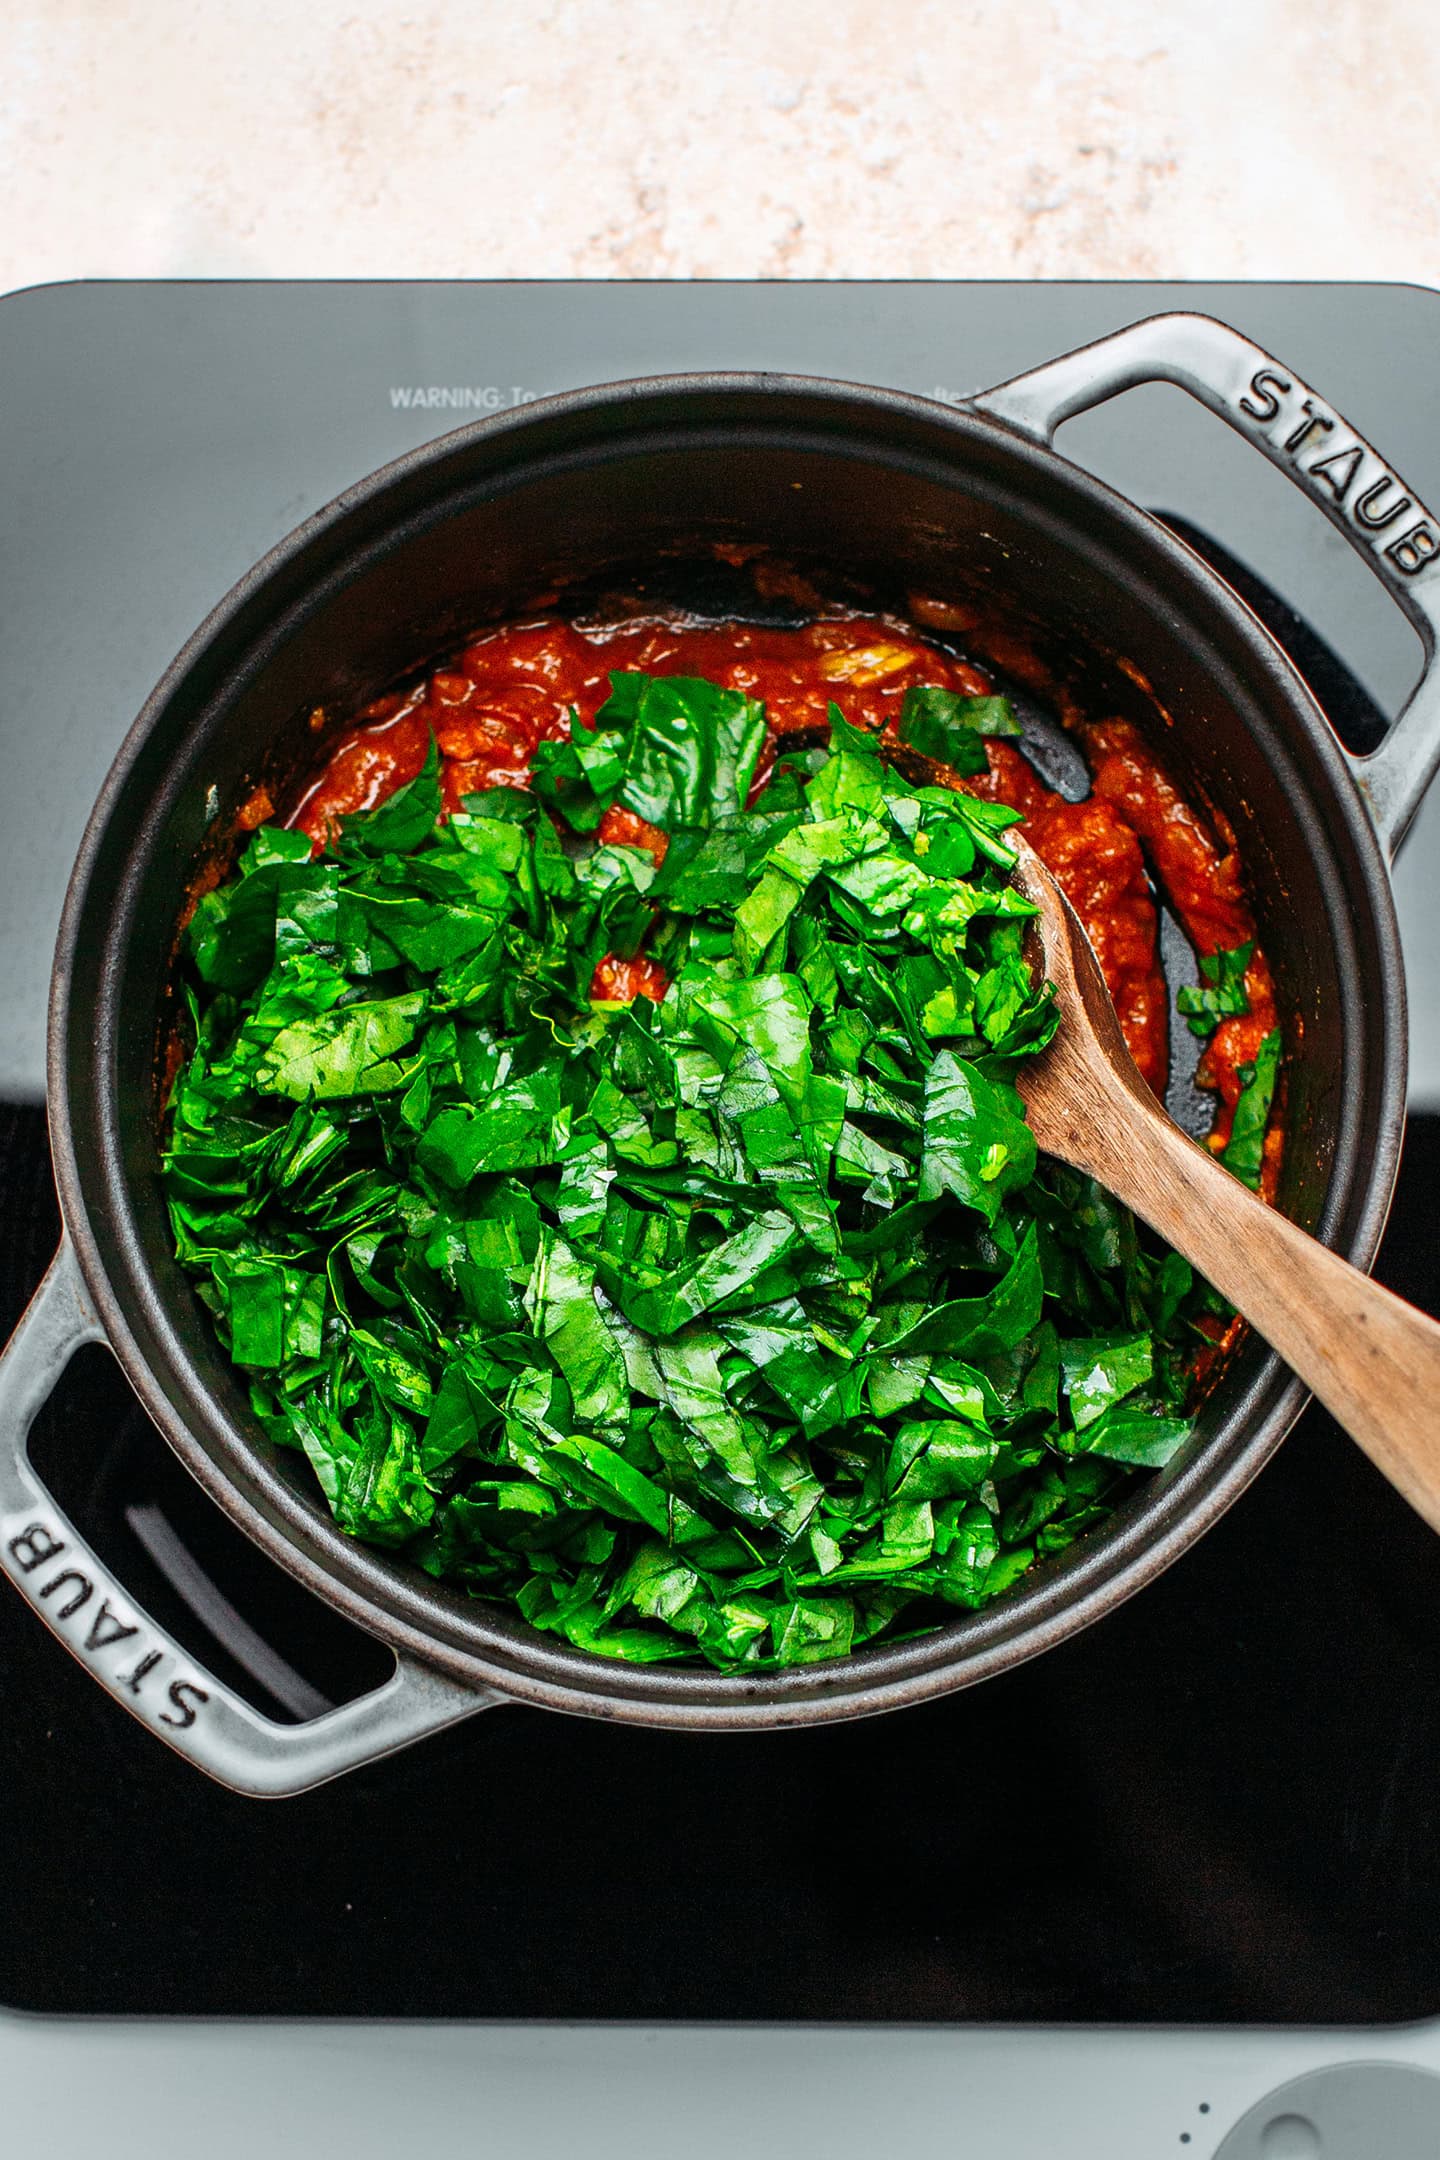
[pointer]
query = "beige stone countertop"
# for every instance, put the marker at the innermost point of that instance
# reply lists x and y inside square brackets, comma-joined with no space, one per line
[826,138]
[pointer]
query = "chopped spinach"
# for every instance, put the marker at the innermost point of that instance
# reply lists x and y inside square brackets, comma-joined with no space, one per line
[743,1327]
[943,725]
[676,750]
[1220,993]
[1245,1150]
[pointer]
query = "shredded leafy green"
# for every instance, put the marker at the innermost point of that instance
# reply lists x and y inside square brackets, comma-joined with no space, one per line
[943,725]
[1220,993]
[1245,1150]
[676,750]
[744,1327]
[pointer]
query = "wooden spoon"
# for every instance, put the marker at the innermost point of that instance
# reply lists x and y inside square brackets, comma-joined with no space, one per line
[1373,1360]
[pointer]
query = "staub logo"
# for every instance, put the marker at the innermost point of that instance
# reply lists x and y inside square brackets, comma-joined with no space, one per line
[1340,469]
[126,1654]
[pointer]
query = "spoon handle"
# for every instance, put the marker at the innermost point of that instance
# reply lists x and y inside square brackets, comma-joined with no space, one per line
[1373,1360]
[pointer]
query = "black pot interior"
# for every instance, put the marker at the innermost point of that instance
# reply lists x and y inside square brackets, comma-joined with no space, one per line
[875,495]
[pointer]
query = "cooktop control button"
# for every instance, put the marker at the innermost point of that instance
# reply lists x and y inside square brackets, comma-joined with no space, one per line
[1290,2137]
[1350,2111]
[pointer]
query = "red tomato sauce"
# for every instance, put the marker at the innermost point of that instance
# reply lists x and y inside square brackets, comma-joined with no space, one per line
[620,982]
[514,688]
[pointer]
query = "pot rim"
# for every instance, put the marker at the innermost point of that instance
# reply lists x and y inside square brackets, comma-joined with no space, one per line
[391,1600]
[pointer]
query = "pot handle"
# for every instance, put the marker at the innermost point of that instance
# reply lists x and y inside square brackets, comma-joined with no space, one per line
[136,1660]
[1384,520]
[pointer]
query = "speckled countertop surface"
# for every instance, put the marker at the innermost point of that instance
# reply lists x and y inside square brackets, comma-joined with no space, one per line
[636,138]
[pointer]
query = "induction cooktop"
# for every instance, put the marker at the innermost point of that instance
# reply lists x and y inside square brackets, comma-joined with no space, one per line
[1217,1810]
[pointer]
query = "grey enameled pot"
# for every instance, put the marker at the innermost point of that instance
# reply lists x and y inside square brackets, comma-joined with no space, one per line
[868,486]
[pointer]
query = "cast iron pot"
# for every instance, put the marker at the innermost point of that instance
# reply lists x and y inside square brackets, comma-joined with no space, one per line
[877,490]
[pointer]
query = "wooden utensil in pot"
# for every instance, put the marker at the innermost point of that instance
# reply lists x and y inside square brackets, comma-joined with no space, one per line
[1373,1360]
